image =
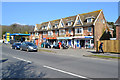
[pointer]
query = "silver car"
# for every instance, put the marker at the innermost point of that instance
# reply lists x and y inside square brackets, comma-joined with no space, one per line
[28,46]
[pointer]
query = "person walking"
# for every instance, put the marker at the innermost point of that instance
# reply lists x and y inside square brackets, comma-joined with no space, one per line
[101,47]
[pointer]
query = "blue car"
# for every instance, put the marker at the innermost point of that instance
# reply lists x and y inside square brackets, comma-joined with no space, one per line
[16,46]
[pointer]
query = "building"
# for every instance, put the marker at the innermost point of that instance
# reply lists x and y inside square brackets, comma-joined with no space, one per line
[117,23]
[82,30]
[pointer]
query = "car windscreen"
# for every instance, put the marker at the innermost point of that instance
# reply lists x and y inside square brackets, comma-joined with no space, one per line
[30,44]
[18,43]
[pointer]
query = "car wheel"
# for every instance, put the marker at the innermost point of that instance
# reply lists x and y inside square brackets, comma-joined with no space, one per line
[27,50]
[21,49]
[15,48]
[11,47]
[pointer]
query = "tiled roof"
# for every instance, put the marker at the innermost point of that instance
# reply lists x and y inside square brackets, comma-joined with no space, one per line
[83,18]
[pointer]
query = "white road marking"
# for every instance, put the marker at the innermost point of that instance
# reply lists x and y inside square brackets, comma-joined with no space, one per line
[23,59]
[65,72]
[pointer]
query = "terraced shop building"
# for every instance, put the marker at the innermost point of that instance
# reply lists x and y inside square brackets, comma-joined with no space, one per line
[82,30]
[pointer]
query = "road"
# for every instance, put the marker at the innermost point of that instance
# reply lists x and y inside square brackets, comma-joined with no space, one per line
[59,66]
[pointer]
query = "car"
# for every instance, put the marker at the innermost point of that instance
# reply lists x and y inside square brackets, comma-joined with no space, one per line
[16,46]
[63,46]
[28,46]
[47,45]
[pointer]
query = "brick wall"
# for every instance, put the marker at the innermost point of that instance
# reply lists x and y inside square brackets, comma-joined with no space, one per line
[118,32]
[99,27]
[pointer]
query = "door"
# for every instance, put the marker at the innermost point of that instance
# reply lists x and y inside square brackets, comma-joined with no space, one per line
[82,43]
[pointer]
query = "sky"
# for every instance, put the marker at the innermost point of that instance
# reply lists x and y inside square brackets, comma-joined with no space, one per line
[32,13]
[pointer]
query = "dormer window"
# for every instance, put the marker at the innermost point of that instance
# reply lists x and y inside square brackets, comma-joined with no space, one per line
[56,25]
[45,27]
[78,21]
[62,25]
[49,26]
[89,20]
[69,23]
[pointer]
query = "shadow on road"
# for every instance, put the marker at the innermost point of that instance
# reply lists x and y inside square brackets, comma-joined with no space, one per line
[4,60]
[21,69]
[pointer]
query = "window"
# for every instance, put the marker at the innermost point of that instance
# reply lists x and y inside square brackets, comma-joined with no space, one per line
[69,31]
[62,24]
[45,27]
[78,21]
[49,26]
[44,33]
[103,21]
[62,32]
[56,25]
[69,23]
[89,20]
[89,29]
[50,33]
[79,31]
[56,32]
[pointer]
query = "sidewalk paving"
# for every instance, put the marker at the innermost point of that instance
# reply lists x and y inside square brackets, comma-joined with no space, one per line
[79,52]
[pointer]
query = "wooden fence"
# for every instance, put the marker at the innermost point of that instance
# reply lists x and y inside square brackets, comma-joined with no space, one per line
[109,46]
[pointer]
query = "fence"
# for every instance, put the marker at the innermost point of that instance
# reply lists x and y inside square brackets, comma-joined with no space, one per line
[109,45]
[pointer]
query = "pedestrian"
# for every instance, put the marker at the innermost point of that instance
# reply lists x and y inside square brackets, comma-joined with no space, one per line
[101,47]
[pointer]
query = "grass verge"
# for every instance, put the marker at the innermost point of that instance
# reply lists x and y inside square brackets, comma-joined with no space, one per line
[46,50]
[102,56]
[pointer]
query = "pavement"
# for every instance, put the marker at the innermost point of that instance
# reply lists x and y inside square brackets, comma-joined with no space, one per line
[78,52]
[53,65]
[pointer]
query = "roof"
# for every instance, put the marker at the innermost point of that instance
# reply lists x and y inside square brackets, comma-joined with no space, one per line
[93,15]
[118,21]
[65,20]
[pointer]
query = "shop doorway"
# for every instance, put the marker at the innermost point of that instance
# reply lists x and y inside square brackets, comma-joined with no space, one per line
[82,43]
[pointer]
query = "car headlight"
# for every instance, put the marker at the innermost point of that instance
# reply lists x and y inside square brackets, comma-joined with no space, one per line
[30,47]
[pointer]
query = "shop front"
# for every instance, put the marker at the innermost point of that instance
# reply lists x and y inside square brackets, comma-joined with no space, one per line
[65,40]
[83,41]
[51,40]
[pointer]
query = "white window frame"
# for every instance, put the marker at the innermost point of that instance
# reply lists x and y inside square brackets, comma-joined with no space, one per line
[55,32]
[88,29]
[62,25]
[79,30]
[88,20]
[64,32]
[78,21]
[50,33]
[44,33]
[69,23]
[56,25]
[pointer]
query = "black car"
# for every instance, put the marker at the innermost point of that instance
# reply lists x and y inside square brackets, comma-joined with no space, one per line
[16,46]
[63,46]
[47,45]
[28,46]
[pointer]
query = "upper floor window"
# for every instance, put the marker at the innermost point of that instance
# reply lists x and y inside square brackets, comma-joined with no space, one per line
[56,25]
[89,20]
[79,31]
[103,21]
[49,26]
[78,21]
[45,27]
[62,25]
[44,33]
[56,32]
[50,33]
[69,31]
[62,32]
[69,23]
[89,29]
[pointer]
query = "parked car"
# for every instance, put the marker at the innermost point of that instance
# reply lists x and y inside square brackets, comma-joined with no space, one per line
[47,45]
[28,46]
[63,46]
[16,46]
